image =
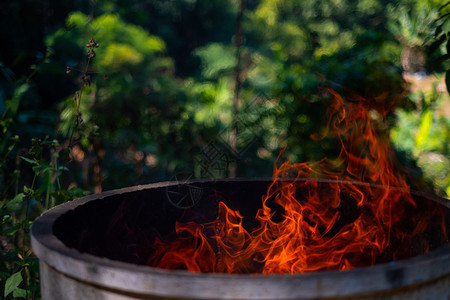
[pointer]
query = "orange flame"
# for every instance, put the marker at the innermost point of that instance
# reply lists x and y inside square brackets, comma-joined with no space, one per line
[312,233]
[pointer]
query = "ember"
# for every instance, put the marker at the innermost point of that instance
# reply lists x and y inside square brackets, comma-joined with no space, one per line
[302,227]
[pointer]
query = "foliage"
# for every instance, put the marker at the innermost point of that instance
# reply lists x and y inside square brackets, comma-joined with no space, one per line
[14,213]
[183,25]
[19,205]
[130,108]
[422,133]
[411,28]
[438,45]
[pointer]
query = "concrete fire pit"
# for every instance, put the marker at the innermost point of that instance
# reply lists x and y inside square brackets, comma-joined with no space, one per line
[82,255]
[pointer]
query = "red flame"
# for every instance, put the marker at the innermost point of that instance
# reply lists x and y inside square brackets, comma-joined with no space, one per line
[312,233]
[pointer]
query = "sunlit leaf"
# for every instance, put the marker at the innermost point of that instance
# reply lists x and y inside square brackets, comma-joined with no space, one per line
[217,59]
[120,55]
[77,19]
[424,129]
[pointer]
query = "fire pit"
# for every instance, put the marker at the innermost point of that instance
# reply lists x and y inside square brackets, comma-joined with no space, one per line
[102,246]
[313,231]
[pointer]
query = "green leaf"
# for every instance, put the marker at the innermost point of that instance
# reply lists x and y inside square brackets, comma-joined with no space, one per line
[13,104]
[27,190]
[6,218]
[22,264]
[5,123]
[77,192]
[424,129]
[29,160]
[37,169]
[12,230]
[446,24]
[62,196]
[63,168]
[16,200]
[47,169]
[20,293]
[12,283]
[42,167]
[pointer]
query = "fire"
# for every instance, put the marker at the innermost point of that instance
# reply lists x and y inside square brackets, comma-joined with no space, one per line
[305,225]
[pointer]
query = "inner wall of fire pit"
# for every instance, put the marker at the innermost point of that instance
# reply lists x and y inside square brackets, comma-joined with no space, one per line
[123,227]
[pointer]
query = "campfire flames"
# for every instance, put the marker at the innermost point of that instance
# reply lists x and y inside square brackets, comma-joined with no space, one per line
[303,227]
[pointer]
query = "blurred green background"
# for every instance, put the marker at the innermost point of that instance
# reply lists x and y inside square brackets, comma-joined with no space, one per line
[167,105]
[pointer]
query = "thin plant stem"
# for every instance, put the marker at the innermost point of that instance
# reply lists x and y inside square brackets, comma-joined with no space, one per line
[77,117]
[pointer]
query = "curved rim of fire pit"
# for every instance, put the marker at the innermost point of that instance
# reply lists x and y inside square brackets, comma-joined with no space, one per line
[127,278]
